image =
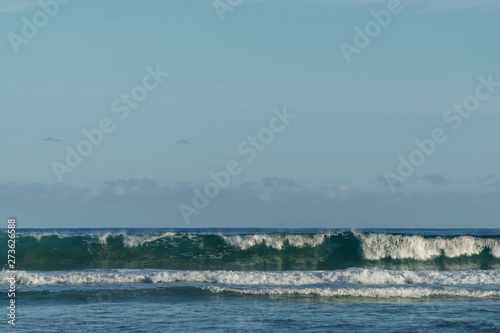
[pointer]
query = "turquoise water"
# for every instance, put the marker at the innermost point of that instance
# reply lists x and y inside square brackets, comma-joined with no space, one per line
[239,280]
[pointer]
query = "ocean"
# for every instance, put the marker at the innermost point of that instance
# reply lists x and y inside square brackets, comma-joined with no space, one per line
[253,280]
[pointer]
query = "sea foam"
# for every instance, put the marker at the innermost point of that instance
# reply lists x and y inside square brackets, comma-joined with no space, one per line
[376,246]
[360,276]
[389,292]
[275,241]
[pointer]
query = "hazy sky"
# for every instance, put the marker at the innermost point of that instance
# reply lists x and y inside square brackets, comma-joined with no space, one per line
[314,101]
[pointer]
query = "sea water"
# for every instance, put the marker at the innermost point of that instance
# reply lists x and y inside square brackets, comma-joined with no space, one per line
[254,280]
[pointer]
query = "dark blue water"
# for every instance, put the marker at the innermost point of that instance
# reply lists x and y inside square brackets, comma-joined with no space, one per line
[246,280]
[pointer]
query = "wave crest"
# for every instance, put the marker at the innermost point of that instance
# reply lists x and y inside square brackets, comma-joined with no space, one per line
[275,241]
[391,292]
[376,246]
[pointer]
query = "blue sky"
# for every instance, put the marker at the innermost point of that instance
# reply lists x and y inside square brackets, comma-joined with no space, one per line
[353,120]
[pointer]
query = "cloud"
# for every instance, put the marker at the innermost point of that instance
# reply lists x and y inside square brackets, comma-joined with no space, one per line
[436,179]
[250,184]
[184,143]
[51,139]
[276,182]
[132,186]
[335,192]
[15,6]
[142,202]
[386,182]
[490,181]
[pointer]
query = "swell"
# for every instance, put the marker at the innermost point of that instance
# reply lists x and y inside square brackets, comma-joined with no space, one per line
[276,251]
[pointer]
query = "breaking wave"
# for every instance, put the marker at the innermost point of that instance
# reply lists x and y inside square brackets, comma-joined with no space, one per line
[359,276]
[277,251]
[389,292]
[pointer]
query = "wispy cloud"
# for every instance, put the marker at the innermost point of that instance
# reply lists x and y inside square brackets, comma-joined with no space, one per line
[436,179]
[276,182]
[386,182]
[490,181]
[51,139]
[15,6]
[144,202]
[184,143]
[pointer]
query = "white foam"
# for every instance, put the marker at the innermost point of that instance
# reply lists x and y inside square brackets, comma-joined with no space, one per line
[390,292]
[134,240]
[275,241]
[103,239]
[139,240]
[360,276]
[377,246]
[38,236]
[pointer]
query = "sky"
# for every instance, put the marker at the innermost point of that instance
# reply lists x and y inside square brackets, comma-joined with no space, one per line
[234,113]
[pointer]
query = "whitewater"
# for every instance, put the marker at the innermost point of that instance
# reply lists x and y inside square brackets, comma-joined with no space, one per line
[452,271]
